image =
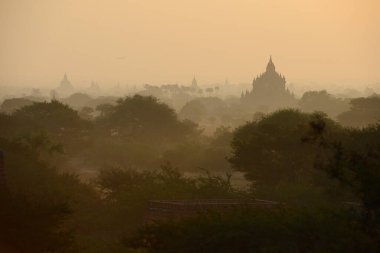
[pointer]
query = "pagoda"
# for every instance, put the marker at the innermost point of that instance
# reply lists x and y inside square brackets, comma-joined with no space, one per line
[65,88]
[194,83]
[269,90]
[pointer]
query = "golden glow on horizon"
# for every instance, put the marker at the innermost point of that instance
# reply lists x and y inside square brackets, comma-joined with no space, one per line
[141,41]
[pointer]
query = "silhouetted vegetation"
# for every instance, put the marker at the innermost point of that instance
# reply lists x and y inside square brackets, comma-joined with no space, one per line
[80,180]
[37,203]
[260,230]
[271,154]
[324,102]
[363,112]
[167,135]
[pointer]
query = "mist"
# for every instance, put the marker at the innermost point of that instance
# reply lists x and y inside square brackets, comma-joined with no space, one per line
[319,43]
[207,126]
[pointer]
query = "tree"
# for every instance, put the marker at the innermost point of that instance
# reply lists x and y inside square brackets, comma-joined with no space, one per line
[86,113]
[354,161]
[271,153]
[193,110]
[272,230]
[129,190]
[53,117]
[322,101]
[363,112]
[38,202]
[77,100]
[205,152]
[146,118]
[13,104]
[104,109]
[200,109]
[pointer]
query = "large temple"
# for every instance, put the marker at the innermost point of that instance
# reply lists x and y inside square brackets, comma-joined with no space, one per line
[269,91]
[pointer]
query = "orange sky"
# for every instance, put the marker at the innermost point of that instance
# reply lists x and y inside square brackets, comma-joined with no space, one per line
[168,41]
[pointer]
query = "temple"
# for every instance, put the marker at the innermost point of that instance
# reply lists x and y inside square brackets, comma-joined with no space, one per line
[269,91]
[65,88]
[194,83]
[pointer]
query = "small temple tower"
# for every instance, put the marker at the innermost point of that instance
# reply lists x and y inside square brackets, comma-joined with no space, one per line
[65,88]
[194,83]
[65,83]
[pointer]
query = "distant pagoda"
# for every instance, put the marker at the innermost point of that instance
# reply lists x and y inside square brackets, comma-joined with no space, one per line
[269,91]
[94,88]
[194,83]
[65,88]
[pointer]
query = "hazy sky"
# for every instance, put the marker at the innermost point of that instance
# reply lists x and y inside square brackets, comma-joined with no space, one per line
[168,41]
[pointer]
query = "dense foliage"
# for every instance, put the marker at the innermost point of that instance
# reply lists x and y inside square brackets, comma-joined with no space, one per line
[80,181]
[260,230]
[354,161]
[36,203]
[363,112]
[145,117]
[271,153]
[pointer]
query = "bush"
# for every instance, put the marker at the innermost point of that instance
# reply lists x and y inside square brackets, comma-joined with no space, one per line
[259,230]
[128,191]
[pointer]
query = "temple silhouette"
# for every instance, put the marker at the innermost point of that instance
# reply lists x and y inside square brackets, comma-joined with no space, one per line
[65,88]
[269,91]
[194,83]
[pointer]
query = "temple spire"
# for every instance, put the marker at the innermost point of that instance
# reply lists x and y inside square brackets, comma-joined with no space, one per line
[270,66]
[194,83]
